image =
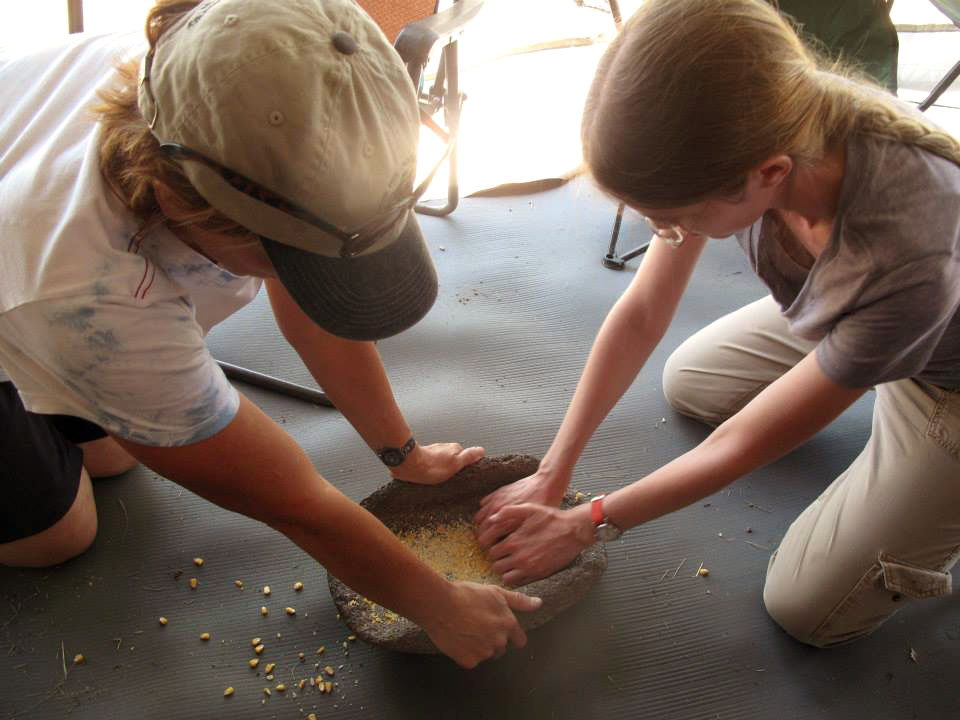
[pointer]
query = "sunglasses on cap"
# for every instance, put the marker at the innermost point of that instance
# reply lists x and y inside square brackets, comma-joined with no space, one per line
[352,242]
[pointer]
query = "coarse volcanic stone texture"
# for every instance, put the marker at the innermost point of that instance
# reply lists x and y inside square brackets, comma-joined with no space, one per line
[405,506]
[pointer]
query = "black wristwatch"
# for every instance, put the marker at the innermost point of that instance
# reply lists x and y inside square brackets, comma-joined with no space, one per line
[394,456]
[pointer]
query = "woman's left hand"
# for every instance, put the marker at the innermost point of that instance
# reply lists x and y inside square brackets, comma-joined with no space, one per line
[437,463]
[531,541]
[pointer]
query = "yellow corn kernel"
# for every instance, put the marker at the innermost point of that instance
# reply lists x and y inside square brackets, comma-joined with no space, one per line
[328,670]
[228,692]
[78,658]
[253,662]
[266,589]
[290,611]
[198,561]
[259,648]
[298,586]
[193,583]
[281,687]
[162,620]
[238,583]
[205,636]
[263,610]
[269,667]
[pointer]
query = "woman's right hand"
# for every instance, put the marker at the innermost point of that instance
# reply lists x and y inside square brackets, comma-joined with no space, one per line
[542,488]
[477,622]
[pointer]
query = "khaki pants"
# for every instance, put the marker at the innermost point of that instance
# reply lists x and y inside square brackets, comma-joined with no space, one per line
[887,531]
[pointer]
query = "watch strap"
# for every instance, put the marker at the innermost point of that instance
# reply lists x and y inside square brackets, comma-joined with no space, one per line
[596,510]
[395,456]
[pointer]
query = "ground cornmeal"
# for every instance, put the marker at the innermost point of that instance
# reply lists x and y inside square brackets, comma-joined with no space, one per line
[449,548]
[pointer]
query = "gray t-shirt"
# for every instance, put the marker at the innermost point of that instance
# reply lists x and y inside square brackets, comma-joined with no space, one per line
[882,299]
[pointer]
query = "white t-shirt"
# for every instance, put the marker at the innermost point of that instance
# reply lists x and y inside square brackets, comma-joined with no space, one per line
[93,322]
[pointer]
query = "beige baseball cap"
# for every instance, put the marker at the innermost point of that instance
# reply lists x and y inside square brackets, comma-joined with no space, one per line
[297,120]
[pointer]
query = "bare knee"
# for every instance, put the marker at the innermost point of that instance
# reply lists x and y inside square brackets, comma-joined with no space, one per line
[68,537]
[105,458]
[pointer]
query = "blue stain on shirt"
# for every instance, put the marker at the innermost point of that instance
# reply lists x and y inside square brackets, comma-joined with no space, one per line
[102,340]
[75,319]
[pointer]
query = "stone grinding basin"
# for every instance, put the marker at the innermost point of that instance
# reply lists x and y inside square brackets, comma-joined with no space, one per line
[403,507]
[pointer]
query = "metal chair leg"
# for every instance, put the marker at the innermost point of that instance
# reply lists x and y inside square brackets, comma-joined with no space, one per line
[611,259]
[268,382]
[452,103]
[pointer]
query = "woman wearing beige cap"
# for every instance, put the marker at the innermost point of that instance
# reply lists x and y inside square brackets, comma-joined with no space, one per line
[254,141]
[711,118]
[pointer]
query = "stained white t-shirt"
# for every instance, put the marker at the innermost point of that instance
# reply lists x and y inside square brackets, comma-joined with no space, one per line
[95,322]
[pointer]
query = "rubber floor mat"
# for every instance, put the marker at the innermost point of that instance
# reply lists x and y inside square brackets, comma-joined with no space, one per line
[522,296]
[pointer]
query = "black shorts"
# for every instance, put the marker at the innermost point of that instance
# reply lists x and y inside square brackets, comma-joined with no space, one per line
[40,465]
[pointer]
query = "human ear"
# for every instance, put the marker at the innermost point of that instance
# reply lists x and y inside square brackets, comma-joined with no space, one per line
[774,171]
[171,205]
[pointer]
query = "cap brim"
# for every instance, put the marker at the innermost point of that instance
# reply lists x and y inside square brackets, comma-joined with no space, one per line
[366,297]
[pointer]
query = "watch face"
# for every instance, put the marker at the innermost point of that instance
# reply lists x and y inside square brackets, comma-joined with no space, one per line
[392,457]
[607,532]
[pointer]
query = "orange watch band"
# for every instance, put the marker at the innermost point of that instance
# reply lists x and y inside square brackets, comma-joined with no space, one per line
[596,510]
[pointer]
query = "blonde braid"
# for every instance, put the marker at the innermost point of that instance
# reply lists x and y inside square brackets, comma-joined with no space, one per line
[860,109]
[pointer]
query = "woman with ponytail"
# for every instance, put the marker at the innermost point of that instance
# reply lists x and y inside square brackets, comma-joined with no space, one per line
[711,118]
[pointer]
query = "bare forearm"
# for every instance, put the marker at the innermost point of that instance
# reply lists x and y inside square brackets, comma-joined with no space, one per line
[358,550]
[619,352]
[629,334]
[350,372]
[782,417]
[255,468]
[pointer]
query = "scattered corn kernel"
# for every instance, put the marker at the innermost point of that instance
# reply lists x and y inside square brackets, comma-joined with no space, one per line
[204,636]
[258,649]
[290,611]
[312,716]
[266,691]
[238,583]
[703,572]
[263,610]
[298,586]
[228,692]
[351,638]
[253,662]
[198,561]
[320,650]
[281,687]
[328,687]
[78,658]
[269,667]
[270,677]
[328,670]
[193,583]
[163,620]
[266,589]
[301,656]
[303,681]
[312,682]
[255,641]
